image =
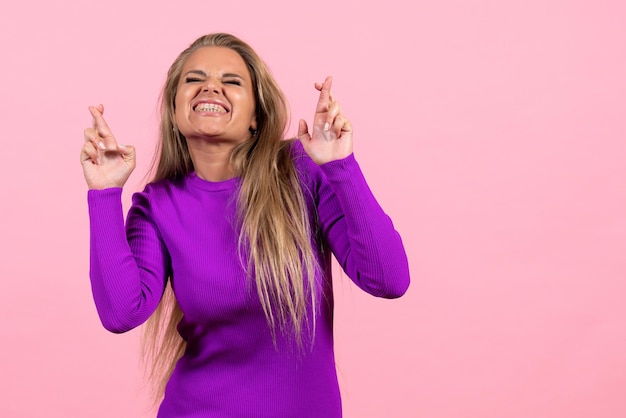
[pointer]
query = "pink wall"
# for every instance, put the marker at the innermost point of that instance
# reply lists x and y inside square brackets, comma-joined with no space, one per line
[494,134]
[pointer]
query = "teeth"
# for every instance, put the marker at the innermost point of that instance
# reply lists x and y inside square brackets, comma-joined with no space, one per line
[210,107]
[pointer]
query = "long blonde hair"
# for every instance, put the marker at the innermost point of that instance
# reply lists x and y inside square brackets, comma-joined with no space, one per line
[275,234]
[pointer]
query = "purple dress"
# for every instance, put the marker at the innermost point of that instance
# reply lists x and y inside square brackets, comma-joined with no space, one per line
[185,229]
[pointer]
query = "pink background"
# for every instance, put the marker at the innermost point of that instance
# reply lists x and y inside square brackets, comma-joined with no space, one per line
[493,133]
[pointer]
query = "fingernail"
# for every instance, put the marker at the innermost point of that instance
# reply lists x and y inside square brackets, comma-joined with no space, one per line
[101,145]
[326,126]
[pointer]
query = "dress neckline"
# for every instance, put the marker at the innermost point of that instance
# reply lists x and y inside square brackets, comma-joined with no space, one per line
[212,186]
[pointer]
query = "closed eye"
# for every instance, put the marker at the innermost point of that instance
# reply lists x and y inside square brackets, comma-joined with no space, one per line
[192,80]
[235,82]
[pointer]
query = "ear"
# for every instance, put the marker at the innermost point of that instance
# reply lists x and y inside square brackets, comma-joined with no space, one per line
[253,124]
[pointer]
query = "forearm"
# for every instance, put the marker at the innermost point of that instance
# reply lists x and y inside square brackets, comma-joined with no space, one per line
[365,241]
[125,292]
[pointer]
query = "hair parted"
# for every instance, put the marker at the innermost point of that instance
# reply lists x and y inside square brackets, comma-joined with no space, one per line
[275,229]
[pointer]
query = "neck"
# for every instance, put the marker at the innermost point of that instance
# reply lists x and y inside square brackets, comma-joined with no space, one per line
[211,161]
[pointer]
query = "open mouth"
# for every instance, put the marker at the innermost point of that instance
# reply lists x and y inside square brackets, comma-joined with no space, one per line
[210,107]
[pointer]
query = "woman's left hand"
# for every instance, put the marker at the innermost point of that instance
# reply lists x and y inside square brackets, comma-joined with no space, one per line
[331,136]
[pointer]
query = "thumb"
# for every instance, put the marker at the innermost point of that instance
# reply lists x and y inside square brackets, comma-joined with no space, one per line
[128,152]
[303,130]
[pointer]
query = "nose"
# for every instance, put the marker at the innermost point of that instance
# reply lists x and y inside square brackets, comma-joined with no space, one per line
[211,86]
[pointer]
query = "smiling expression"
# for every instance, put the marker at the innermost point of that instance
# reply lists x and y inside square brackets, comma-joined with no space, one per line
[214,97]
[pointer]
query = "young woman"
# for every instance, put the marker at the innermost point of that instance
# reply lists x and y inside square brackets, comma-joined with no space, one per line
[227,250]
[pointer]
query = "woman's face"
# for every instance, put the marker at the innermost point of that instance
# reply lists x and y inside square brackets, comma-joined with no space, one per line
[215,97]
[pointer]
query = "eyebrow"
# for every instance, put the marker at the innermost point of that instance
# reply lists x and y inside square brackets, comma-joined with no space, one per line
[225,75]
[232,75]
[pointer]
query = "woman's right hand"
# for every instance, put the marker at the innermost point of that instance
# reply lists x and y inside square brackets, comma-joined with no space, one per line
[106,164]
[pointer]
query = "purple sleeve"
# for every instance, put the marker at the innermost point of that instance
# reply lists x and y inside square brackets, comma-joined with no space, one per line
[128,269]
[359,233]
